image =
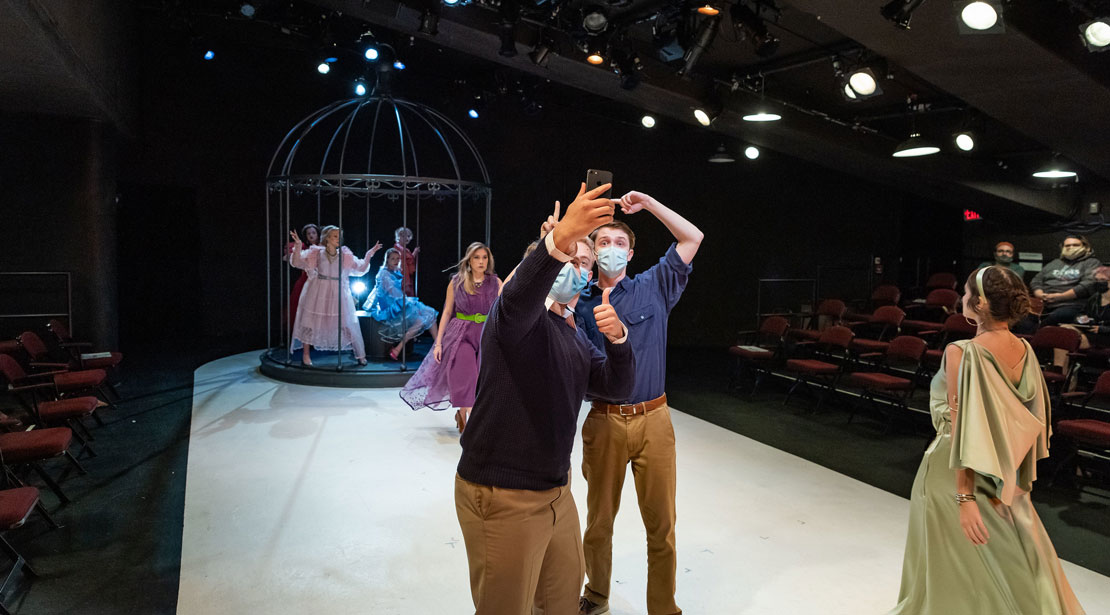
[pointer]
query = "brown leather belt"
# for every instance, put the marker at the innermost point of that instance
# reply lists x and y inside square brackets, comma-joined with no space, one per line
[629,409]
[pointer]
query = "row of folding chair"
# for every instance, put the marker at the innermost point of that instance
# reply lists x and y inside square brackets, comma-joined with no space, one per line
[55,386]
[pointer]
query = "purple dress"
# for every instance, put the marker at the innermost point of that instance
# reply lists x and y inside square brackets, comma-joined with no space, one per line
[451,382]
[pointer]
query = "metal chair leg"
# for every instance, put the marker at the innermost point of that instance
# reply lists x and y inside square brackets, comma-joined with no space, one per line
[50,482]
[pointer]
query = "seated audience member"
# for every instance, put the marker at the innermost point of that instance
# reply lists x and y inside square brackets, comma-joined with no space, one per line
[1004,257]
[1067,282]
[1094,322]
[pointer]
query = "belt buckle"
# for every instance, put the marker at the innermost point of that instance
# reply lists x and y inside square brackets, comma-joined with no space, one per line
[621,407]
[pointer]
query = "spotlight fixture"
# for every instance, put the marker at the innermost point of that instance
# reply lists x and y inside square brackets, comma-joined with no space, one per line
[965,141]
[358,287]
[751,152]
[754,28]
[706,113]
[1096,34]
[541,54]
[595,54]
[914,146]
[371,54]
[978,15]
[647,121]
[247,10]
[451,2]
[900,11]
[429,21]
[707,31]
[594,20]
[399,65]
[708,9]
[721,155]
[627,64]
[506,31]
[472,113]
[209,55]
[323,68]
[360,87]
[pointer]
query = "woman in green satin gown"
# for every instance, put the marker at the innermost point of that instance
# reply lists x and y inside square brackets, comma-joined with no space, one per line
[988,554]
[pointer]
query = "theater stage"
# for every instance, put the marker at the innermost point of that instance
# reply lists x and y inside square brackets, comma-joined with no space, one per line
[302,499]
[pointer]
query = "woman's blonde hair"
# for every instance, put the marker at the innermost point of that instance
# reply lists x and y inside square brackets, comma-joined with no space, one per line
[464,275]
[327,229]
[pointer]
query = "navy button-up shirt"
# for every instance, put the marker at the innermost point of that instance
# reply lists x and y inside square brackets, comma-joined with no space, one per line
[643,303]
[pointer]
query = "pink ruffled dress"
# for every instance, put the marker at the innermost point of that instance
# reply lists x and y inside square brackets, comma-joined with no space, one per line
[328,289]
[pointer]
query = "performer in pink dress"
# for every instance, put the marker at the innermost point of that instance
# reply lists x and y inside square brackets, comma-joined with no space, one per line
[318,309]
[408,259]
[311,235]
[449,375]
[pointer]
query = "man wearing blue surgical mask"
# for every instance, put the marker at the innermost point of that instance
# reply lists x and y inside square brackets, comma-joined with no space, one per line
[634,429]
[512,491]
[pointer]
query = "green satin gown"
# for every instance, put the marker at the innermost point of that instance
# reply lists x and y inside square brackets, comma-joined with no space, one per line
[1002,431]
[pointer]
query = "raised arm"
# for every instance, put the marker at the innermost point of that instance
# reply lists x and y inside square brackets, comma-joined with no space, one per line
[685,233]
[302,259]
[521,303]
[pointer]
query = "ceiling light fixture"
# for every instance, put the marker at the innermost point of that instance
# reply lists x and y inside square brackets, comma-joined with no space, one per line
[754,28]
[708,9]
[594,20]
[751,152]
[721,155]
[647,121]
[914,146]
[707,31]
[979,15]
[900,11]
[965,141]
[1096,34]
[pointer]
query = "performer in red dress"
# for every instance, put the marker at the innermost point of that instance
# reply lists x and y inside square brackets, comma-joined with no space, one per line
[403,236]
[311,235]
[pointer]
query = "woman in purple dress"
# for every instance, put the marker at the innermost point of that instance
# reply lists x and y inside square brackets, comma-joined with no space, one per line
[448,376]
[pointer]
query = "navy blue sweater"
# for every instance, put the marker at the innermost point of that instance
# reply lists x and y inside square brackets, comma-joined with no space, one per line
[535,371]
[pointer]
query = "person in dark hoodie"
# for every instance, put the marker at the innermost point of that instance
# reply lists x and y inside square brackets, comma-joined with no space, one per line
[1067,282]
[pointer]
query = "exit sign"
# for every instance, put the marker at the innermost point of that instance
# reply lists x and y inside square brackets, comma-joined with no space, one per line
[971,215]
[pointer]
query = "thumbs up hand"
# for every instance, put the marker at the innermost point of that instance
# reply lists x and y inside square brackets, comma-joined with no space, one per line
[607,320]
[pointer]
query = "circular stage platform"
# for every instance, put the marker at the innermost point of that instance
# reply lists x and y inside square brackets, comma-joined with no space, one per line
[324,371]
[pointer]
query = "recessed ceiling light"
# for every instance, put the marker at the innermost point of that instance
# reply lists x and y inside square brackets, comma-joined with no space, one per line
[965,141]
[979,16]
[1096,34]
[752,152]
[647,121]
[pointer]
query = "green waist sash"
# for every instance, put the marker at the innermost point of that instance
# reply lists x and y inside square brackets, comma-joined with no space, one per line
[479,318]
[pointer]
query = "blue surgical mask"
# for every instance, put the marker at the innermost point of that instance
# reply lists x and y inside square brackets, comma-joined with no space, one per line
[611,260]
[569,283]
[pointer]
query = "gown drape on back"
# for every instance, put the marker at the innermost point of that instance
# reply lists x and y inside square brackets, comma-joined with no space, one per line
[1002,430]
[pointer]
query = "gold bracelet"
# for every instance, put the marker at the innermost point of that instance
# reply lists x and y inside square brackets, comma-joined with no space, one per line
[965,497]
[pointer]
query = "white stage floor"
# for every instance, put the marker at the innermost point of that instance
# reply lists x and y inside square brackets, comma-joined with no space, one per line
[310,500]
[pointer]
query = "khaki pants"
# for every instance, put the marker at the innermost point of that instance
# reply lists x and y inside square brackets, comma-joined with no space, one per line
[609,443]
[524,549]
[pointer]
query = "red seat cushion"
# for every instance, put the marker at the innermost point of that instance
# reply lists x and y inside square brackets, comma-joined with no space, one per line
[932,357]
[104,362]
[881,381]
[870,345]
[15,505]
[56,411]
[24,446]
[811,366]
[920,325]
[84,379]
[1087,431]
[752,355]
[806,334]
[1053,377]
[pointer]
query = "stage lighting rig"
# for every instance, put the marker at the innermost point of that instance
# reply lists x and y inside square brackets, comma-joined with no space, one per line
[1096,34]
[752,22]
[900,11]
[706,32]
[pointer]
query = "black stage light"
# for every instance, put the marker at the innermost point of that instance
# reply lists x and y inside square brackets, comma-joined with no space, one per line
[506,31]
[755,28]
[541,53]
[707,31]
[429,22]
[1096,34]
[900,11]
[708,111]
[627,64]
[594,19]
